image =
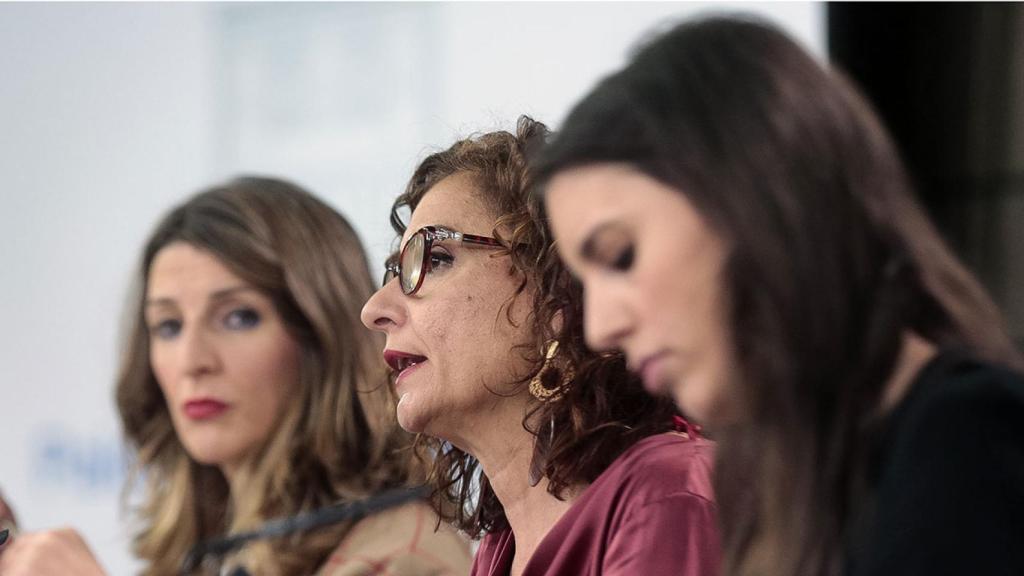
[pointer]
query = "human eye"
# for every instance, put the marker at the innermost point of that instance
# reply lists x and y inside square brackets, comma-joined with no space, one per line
[440,259]
[165,329]
[243,318]
[614,250]
[623,261]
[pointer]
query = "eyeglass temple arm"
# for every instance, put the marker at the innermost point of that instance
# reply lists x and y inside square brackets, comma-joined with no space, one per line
[482,240]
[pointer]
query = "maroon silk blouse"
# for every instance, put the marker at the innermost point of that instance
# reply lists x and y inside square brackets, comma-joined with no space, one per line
[651,513]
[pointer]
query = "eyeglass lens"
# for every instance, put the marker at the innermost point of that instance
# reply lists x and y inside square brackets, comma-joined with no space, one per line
[412,262]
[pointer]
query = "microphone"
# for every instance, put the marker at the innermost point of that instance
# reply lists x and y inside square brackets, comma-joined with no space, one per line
[326,516]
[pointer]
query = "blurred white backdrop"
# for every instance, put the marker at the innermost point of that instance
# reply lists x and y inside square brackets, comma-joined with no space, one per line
[111,113]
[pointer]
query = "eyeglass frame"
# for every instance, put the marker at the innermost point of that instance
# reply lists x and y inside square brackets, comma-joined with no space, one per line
[431,234]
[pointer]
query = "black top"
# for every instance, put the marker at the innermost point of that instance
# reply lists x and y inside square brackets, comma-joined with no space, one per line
[947,477]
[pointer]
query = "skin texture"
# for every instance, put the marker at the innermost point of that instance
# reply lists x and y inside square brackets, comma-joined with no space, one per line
[458,321]
[652,274]
[213,336]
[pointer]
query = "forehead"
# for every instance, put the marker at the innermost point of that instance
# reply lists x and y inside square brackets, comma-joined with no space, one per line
[579,198]
[179,266]
[454,202]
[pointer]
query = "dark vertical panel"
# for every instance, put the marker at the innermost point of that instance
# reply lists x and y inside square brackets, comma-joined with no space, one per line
[948,80]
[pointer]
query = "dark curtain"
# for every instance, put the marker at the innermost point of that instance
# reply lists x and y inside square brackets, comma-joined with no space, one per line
[948,80]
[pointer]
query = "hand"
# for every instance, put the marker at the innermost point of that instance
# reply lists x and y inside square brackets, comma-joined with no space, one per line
[60,552]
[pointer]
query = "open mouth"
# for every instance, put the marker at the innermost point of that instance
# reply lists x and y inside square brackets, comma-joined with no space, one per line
[400,361]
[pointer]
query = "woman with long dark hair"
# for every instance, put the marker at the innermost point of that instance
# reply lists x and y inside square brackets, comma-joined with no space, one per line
[746,233]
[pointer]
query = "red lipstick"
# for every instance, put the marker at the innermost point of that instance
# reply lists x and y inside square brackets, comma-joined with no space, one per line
[204,408]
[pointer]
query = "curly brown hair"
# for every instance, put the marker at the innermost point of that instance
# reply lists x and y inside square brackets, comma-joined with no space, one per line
[600,408]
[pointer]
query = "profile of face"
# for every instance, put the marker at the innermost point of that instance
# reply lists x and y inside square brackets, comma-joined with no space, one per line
[221,354]
[651,270]
[451,341]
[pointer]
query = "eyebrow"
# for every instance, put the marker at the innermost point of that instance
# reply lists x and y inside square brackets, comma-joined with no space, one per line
[217,295]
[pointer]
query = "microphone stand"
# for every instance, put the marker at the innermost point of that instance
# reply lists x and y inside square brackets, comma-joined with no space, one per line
[304,522]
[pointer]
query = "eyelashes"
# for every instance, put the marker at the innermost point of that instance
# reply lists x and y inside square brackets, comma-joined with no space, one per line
[624,260]
[615,254]
[241,319]
[440,259]
[165,329]
[611,247]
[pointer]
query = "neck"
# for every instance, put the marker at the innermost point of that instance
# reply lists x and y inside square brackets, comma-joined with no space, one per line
[915,352]
[231,473]
[238,475]
[505,458]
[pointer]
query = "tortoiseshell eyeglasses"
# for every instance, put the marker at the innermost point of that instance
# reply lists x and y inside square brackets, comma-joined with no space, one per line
[413,264]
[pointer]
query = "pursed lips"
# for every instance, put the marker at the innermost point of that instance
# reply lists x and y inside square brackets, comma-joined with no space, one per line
[647,369]
[204,408]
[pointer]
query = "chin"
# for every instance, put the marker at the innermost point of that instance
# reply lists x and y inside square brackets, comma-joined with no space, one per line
[407,417]
[206,457]
[208,453]
[708,409]
[692,403]
[408,424]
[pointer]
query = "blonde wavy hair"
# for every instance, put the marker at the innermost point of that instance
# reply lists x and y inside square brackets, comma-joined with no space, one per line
[336,440]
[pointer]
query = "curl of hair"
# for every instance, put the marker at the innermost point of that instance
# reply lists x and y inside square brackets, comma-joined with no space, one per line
[603,410]
[336,440]
[830,262]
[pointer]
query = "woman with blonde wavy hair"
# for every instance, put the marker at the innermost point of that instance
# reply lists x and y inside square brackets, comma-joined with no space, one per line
[250,392]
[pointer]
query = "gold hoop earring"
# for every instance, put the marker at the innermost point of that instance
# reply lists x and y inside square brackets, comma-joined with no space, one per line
[541,386]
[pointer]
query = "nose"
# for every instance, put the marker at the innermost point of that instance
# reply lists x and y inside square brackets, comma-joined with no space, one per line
[384,310]
[198,355]
[607,319]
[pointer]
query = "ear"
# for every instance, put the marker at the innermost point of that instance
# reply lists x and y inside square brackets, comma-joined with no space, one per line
[557,321]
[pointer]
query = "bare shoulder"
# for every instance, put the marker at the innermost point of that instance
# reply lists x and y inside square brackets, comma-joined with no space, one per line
[404,541]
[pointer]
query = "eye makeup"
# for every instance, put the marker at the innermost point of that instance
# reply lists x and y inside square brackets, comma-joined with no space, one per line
[609,246]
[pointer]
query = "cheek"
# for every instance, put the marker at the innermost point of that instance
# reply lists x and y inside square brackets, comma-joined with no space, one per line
[465,333]
[268,379]
[162,366]
[447,322]
[278,370]
[682,286]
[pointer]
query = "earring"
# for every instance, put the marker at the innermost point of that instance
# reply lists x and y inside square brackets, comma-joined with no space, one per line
[542,386]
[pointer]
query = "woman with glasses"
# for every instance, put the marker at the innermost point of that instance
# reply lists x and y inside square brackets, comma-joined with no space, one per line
[250,392]
[554,455]
[746,234]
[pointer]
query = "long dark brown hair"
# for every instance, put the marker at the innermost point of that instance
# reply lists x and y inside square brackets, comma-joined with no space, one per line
[338,438]
[602,410]
[830,262]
